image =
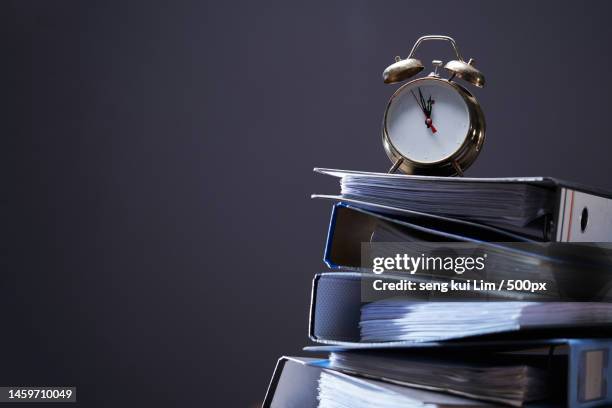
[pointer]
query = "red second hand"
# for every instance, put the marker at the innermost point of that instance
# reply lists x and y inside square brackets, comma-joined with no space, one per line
[430,125]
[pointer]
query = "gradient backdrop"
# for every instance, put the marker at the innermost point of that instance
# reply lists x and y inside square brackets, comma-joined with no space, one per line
[161,240]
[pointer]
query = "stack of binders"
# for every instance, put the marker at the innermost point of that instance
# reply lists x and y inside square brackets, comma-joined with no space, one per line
[512,348]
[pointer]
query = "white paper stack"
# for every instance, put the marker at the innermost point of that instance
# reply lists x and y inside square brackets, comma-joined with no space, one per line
[505,380]
[402,319]
[342,391]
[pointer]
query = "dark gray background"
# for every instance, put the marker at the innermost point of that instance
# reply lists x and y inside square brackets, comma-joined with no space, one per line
[161,239]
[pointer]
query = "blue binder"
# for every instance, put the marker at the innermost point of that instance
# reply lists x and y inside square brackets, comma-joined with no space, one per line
[295,381]
[576,213]
[335,312]
[588,370]
[350,225]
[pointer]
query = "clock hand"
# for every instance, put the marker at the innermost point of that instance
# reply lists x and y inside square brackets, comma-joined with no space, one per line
[426,107]
[420,101]
[428,120]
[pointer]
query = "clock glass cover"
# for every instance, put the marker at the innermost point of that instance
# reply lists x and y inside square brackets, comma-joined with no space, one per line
[427,120]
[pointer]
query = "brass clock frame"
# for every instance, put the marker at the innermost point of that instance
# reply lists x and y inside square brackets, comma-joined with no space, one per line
[452,165]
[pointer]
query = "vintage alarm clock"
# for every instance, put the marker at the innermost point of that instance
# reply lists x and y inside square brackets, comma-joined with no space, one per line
[433,125]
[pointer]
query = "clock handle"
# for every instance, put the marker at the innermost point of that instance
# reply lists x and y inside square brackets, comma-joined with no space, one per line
[436,38]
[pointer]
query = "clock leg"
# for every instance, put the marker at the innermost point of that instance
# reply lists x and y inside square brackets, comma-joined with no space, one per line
[457,168]
[396,165]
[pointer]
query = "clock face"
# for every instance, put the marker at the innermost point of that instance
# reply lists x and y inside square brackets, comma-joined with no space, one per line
[427,120]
